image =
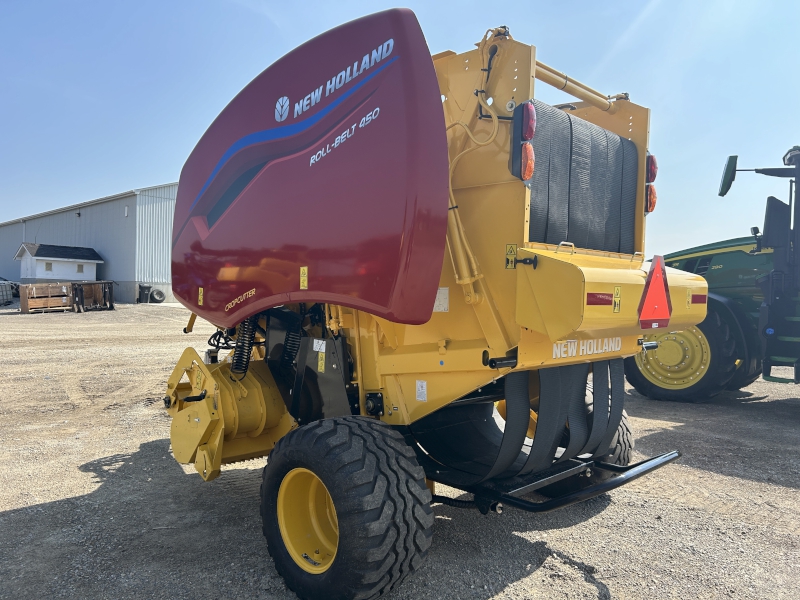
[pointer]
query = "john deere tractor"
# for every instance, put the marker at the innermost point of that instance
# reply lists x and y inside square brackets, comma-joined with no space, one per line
[420,275]
[753,320]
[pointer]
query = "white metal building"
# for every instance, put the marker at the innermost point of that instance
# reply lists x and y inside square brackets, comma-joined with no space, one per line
[132,232]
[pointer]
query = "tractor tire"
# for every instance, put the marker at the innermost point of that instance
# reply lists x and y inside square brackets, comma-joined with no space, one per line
[345,509]
[741,380]
[619,453]
[689,366]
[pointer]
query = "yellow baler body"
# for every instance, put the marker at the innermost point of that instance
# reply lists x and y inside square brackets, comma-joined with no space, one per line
[491,301]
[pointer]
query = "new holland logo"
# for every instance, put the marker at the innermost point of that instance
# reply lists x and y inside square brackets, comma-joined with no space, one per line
[282,109]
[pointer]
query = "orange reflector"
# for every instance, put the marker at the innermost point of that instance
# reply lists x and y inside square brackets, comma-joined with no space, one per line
[650,198]
[528,161]
[655,307]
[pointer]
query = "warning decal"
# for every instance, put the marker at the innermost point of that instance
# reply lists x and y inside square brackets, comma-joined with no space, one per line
[303,278]
[617,297]
[511,256]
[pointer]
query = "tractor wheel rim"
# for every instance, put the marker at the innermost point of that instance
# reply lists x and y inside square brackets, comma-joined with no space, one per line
[307,521]
[680,361]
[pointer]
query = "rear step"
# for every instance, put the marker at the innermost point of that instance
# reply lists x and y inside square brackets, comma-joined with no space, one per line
[489,495]
[780,361]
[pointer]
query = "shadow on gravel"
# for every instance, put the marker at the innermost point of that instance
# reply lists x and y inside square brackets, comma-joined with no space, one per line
[150,530]
[492,554]
[737,434]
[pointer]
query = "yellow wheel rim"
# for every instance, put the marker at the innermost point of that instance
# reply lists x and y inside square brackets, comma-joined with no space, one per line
[501,408]
[307,520]
[681,360]
[533,391]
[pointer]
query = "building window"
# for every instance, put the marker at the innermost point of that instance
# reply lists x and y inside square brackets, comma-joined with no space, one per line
[80,268]
[48,266]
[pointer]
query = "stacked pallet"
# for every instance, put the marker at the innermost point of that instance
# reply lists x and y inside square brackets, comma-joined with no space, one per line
[93,295]
[45,297]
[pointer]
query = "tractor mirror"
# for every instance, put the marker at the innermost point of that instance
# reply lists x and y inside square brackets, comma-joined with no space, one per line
[728,175]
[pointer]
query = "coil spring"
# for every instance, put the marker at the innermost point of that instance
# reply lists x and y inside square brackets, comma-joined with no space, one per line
[291,346]
[244,347]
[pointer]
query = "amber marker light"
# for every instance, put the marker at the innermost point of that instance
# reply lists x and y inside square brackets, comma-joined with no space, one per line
[528,162]
[650,198]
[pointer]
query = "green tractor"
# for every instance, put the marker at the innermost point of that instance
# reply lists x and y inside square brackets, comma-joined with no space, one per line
[753,319]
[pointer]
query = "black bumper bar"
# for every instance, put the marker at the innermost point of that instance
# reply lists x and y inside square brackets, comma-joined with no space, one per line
[622,476]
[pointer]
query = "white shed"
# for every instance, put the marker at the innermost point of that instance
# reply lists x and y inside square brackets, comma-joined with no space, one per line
[45,262]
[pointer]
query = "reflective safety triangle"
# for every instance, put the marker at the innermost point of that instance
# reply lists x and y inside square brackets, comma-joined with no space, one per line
[655,307]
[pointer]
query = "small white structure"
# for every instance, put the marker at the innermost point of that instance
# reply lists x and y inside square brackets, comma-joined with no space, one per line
[45,262]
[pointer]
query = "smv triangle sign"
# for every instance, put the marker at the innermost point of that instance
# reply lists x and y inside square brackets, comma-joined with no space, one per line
[655,307]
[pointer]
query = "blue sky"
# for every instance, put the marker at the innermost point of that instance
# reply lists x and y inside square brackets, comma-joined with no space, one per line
[102,97]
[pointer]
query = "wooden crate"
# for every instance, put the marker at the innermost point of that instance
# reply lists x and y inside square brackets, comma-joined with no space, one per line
[45,297]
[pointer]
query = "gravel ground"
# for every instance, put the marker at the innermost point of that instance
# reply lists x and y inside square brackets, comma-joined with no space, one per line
[92,505]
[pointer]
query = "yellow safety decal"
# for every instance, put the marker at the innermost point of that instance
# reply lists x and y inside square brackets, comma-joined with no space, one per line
[617,297]
[689,298]
[303,278]
[321,362]
[511,256]
[199,296]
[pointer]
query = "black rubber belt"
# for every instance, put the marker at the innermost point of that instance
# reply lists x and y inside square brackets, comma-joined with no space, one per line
[617,371]
[558,183]
[580,191]
[599,190]
[518,414]
[627,206]
[540,184]
[600,406]
[613,210]
[576,420]
[556,386]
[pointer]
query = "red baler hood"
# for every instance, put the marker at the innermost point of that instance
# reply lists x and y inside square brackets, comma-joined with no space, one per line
[331,163]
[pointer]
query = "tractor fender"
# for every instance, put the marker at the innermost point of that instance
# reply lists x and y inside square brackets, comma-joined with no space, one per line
[746,334]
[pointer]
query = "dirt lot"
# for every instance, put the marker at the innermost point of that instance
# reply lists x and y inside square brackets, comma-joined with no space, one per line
[92,505]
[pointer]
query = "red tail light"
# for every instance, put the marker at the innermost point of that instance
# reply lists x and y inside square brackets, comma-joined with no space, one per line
[650,198]
[528,121]
[652,168]
[528,162]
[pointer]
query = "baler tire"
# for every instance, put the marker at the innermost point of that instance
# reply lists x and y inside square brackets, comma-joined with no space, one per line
[721,369]
[622,444]
[381,506]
